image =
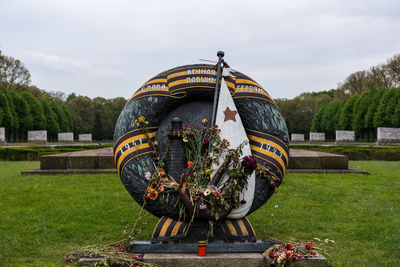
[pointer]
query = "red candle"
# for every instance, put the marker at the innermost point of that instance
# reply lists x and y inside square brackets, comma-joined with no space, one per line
[202,248]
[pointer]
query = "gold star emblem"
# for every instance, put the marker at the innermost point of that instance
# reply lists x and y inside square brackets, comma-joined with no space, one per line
[230,114]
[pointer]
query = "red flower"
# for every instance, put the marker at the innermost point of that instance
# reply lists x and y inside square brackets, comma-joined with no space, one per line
[294,258]
[276,192]
[249,162]
[217,192]
[271,255]
[139,257]
[146,197]
[288,246]
[243,201]
[288,254]
[190,164]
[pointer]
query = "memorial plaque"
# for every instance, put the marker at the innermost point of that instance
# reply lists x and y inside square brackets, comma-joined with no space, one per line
[296,138]
[66,137]
[387,136]
[85,138]
[3,136]
[343,137]
[38,137]
[316,138]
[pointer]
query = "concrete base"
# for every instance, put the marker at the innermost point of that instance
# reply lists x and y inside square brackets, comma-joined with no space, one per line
[102,161]
[306,160]
[41,143]
[3,143]
[216,259]
[386,143]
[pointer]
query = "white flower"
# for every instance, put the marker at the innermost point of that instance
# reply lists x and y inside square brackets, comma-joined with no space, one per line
[147,175]
[276,206]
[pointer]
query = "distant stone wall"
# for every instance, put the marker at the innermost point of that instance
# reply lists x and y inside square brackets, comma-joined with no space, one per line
[66,137]
[344,137]
[2,136]
[317,138]
[85,138]
[388,136]
[38,137]
[297,138]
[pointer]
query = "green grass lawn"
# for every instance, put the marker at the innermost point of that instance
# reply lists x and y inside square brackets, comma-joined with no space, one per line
[44,217]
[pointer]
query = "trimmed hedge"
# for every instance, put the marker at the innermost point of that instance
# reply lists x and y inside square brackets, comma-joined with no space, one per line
[356,152]
[31,153]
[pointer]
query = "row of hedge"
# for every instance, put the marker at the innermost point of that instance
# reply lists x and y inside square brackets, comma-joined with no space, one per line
[355,152]
[35,152]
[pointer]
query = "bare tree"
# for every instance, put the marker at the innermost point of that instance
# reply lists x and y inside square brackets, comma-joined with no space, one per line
[13,73]
[393,66]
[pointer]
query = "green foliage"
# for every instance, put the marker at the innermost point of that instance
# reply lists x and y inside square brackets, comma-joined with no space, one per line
[6,117]
[346,114]
[61,117]
[82,112]
[36,109]
[385,114]
[52,126]
[356,152]
[316,124]
[330,119]
[35,152]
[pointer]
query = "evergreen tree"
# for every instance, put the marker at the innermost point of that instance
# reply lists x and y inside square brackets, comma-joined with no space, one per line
[346,114]
[316,124]
[6,117]
[36,109]
[23,114]
[386,108]
[52,126]
[61,116]
[70,123]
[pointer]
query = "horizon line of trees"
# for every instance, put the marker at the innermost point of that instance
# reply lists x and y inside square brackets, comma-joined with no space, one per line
[345,108]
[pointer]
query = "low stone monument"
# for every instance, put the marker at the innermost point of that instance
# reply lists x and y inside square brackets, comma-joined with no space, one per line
[66,137]
[343,137]
[3,136]
[37,137]
[297,138]
[387,136]
[316,138]
[85,138]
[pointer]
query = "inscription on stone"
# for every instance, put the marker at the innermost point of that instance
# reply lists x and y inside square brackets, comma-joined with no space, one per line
[388,136]
[85,138]
[2,136]
[344,137]
[66,137]
[297,138]
[317,138]
[38,137]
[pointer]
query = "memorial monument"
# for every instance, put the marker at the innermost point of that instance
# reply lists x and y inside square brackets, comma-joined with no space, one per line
[2,136]
[201,147]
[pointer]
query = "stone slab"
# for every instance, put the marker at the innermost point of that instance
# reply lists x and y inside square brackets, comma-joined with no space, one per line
[85,138]
[3,136]
[213,247]
[212,259]
[38,137]
[67,171]
[306,159]
[66,137]
[316,138]
[297,138]
[343,137]
[387,136]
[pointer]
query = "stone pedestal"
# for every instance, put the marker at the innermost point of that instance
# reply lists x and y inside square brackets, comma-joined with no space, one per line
[343,137]
[37,137]
[316,138]
[388,136]
[85,138]
[66,138]
[297,138]
[3,136]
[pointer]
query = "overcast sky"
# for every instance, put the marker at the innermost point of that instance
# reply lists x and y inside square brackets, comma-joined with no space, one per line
[109,48]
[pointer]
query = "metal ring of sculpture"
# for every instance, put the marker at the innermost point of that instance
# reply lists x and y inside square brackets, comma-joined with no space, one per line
[187,85]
